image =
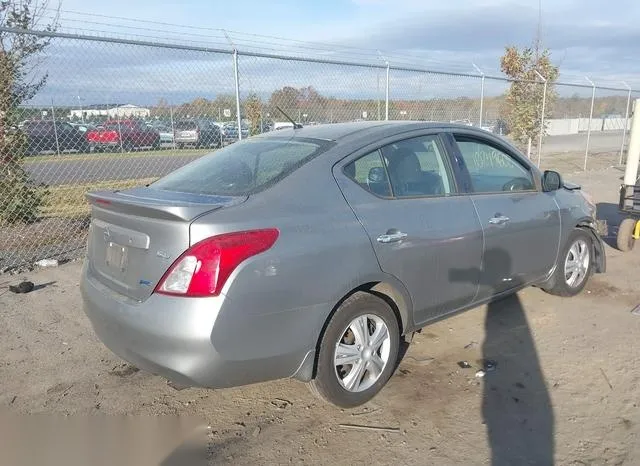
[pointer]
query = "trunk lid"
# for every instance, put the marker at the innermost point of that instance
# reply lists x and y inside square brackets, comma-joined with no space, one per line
[136,235]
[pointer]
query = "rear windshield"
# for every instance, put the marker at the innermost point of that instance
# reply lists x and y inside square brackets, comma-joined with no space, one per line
[186,125]
[243,168]
[121,124]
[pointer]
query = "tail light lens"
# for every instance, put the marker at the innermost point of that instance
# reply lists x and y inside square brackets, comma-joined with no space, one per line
[204,268]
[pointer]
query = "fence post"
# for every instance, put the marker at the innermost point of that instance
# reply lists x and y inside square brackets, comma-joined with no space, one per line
[235,73]
[544,104]
[626,122]
[481,92]
[593,98]
[633,154]
[378,93]
[55,127]
[386,97]
[173,128]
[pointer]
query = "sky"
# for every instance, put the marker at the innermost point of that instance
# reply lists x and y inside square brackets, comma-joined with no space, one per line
[586,37]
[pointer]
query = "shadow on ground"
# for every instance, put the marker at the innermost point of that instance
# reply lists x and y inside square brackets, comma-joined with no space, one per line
[516,406]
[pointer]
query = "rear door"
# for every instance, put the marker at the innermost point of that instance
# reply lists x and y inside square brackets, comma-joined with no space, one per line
[521,223]
[423,232]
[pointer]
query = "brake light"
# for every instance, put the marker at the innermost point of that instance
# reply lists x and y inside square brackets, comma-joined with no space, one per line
[204,268]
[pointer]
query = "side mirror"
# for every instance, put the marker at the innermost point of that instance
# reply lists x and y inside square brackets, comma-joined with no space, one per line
[551,181]
[376,175]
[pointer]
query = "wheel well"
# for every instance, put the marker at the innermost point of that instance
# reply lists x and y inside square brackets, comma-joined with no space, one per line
[383,291]
[599,260]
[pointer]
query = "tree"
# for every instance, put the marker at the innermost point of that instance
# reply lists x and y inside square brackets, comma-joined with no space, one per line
[20,80]
[253,112]
[285,98]
[525,96]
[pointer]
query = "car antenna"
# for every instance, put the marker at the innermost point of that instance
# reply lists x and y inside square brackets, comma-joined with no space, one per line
[295,125]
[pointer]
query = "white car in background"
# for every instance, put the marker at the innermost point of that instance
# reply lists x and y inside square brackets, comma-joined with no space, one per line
[282,125]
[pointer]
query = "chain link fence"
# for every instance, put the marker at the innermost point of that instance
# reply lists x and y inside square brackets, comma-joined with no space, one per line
[119,113]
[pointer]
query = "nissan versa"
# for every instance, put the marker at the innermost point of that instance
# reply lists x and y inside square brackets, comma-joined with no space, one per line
[310,253]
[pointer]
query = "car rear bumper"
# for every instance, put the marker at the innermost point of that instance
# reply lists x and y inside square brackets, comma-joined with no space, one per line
[172,337]
[105,143]
[186,140]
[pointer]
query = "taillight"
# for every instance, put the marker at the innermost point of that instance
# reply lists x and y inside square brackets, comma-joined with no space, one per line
[204,268]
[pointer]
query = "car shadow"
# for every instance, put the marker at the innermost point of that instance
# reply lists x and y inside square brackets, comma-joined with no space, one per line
[516,405]
[609,212]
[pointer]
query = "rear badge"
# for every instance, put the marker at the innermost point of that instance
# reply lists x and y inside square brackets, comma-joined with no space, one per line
[163,254]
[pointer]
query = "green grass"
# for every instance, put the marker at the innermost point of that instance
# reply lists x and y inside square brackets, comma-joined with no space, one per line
[69,200]
[116,155]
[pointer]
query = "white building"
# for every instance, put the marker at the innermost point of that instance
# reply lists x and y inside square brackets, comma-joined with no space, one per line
[110,111]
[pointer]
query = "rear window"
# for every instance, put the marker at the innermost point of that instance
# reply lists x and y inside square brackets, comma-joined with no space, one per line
[243,168]
[114,125]
[186,125]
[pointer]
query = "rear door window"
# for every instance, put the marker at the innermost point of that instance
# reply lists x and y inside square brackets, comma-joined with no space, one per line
[418,167]
[243,168]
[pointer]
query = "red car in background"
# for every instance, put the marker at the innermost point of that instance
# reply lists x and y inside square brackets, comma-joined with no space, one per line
[123,134]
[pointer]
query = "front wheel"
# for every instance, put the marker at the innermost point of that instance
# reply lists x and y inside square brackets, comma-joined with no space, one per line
[575,265]
[358,351]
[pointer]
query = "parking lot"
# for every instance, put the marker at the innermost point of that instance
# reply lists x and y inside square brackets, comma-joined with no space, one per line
[565,385]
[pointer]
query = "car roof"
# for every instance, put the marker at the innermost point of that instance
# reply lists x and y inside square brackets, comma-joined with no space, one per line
[338,131]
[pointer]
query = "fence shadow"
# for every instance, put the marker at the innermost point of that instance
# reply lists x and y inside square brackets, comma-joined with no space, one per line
[516,405]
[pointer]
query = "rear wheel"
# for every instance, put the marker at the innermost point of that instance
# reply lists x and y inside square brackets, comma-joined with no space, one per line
[575,265]
[358,351]
[625,240]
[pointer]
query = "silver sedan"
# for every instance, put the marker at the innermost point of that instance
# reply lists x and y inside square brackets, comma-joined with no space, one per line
[312,253]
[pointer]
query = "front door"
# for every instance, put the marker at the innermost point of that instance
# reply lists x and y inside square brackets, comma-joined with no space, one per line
[521,223]
[422,231]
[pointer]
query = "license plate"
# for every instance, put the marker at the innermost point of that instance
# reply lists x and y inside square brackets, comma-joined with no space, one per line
[186,134]
[116,257]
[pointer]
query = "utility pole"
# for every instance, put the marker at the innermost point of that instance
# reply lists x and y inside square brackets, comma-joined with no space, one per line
[539,32]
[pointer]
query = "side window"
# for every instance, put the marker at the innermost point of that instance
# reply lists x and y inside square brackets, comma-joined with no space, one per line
[491,169]
[417,167]
[370,173]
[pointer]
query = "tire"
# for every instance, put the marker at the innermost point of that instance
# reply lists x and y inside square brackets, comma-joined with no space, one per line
[625,240]
[376,360]
[583,258]
[157,144]
[127,146]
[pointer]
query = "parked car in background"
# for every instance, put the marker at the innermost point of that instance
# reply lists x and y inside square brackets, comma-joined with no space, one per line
[50,135]
[230,133]
[83,127]
[123,134]
[278,125]
[198,133]
[310,253]
[166,133]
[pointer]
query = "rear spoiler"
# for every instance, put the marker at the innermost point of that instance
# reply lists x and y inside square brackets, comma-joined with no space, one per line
[162,205]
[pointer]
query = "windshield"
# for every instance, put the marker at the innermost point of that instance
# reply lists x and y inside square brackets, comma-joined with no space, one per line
[243,168]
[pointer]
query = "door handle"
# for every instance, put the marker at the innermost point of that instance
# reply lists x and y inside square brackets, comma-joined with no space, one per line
[498,220]
[391,237]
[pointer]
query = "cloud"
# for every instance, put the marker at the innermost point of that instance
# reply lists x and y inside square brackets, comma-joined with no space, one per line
[585,38]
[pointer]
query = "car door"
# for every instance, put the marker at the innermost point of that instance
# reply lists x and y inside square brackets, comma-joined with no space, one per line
[422,230]
[521,223]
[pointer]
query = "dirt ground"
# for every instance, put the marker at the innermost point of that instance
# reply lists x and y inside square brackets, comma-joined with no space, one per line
[565,389]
